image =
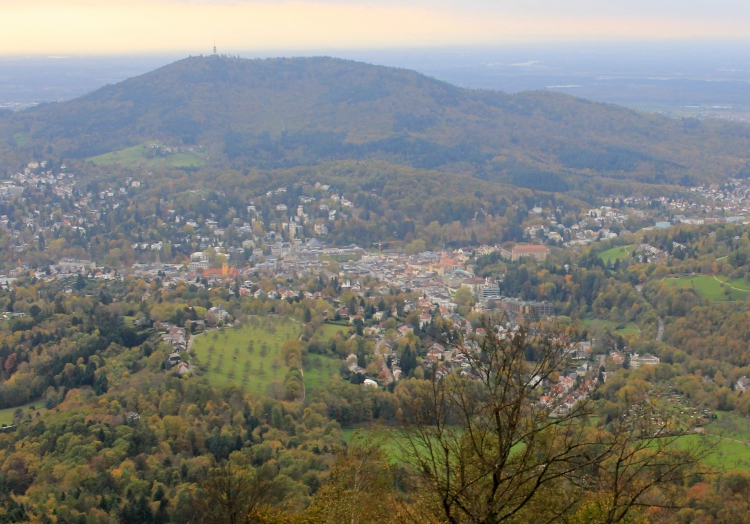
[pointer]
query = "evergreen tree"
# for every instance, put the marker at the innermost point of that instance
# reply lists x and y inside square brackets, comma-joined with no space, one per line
[408,361]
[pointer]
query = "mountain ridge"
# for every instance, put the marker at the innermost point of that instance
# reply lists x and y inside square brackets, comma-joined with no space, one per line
[299,111]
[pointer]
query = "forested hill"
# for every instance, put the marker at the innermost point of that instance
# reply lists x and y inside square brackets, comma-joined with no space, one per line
[286,112]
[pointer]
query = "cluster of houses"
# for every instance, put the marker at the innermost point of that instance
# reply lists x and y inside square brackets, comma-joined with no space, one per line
[649,253]
[445,361]
[726,203]
[565,394]
[177,338]
[636,360]
[67,266]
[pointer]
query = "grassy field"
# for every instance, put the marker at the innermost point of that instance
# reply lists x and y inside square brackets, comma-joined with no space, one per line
[739,283]
[594,324]
[616,253]
[707,286]
[230,359]
[388,445]
[248,356]
[728,454]
[142,156]
[320,371]
[630,329]
[733,442]
[732,448]
[328,331]
[6,415]
[21,138]
[731,426]
[351,433]
[388,442]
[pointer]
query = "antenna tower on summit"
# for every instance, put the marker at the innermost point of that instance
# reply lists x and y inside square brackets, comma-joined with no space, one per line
[214,46]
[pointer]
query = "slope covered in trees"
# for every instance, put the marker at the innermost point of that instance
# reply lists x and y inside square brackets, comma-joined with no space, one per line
[288,112]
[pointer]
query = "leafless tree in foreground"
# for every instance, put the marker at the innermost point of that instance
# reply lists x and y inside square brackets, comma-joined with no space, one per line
[485,450]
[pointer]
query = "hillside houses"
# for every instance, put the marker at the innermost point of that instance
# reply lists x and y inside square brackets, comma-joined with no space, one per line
[648,359]
[177,338]
[537,252]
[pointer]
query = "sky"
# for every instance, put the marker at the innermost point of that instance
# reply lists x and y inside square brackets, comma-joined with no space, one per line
[50,27]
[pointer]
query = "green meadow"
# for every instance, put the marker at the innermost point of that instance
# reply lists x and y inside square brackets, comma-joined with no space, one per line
[319,370]
[629,329]
[728,454]
[143,156]
[21,138]
[6,415]
[599,324]
[616,253]
[249,355]
[708,287]
[328,331]
[732,449]
[386,440]
[738,283]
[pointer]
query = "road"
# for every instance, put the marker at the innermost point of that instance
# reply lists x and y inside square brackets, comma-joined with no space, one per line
[660,331]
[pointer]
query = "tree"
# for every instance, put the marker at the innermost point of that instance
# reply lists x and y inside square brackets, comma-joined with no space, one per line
[10,363]
[291,352]
[408,360]
[230,493]
[136,511]
[14,512]
[463,297]
[485,450]
[415,246]
[360,488]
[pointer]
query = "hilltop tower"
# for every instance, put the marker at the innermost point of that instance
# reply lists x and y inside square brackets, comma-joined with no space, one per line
[214,46]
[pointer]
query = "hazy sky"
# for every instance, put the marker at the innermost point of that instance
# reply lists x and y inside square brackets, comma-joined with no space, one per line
[145,26]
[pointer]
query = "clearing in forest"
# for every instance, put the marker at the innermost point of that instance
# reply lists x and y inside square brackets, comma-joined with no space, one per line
[250,355]
[708,287]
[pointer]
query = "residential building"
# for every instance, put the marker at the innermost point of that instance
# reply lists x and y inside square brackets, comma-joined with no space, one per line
[537,252]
